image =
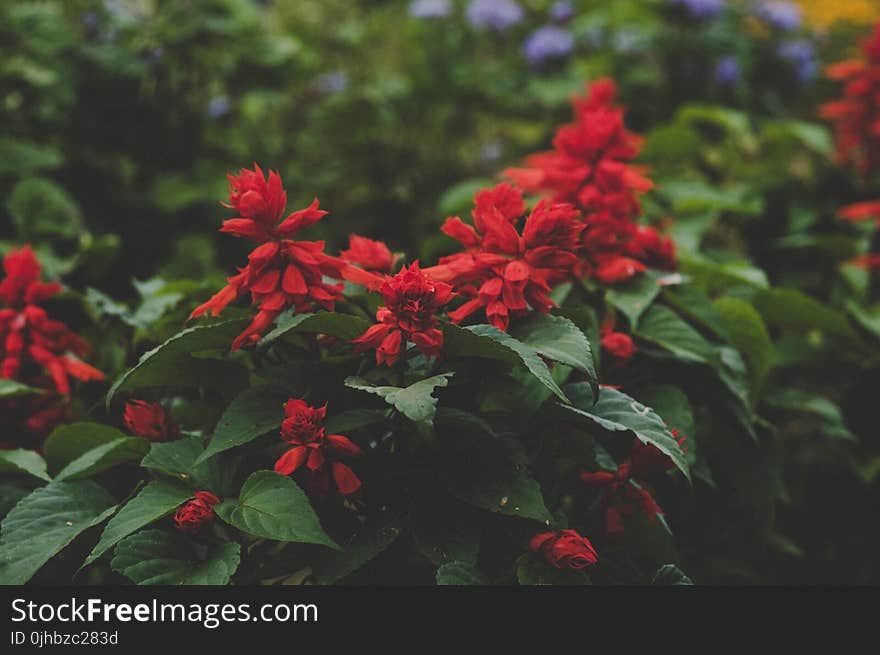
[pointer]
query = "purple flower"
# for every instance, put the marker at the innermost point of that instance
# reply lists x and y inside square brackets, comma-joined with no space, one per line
[498,15]
[561,11]
[727,71]
[430,8]
[546,43]
[702,9]
[802,56]
[785,16]
[219,106]
[334,82]
[490,152]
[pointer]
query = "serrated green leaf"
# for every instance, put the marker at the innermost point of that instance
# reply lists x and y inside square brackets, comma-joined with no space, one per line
[557,338]
[665,328]
[178,460]
[252,414]
[174,364]
[46,521]
[416,401]
[71,441]
[156,557]
[633,297]
[23,461]
[100,458]
[487,341]
[343,326]
[499,487]
[272,506]
[747,333]
[617,412]
[157,499]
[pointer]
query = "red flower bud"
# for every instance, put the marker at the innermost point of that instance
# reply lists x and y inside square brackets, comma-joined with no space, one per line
[565,549]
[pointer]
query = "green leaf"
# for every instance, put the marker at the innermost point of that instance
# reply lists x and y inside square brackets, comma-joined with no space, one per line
[822,416]
[793,309]
[557,338]
[252,414]
[634,296]
[69,442]
[665,328]
[748,334]
[157,499]
[100,458]
[156,557]
[618,412]
[487,341]
[13,389]
[272,506]
[354,419]
[175,364]
[670,574]
[416,401]
[40,209]
[332,566]
[343,326]
[46,521]
[178,460]
[713,276]
[499,487]
[25,461]
[461,574]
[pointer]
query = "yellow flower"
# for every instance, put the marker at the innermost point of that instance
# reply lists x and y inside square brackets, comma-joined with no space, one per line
[822,13]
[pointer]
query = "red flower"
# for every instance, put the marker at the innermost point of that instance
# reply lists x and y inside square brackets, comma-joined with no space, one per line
[369,255]
[304,428]
[281,273]
[861,211]
[590,168]
[150,420]
[856,117]
[412,301]
[193,514]
[565,549]
[30,341]
[619,345]
[506,273]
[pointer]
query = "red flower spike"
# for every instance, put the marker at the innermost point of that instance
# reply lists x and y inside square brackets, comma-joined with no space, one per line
[505,273]
[280,273]
[195,513]
[565,549]
[150,420]
[412,301]
[856,117]
[312,447]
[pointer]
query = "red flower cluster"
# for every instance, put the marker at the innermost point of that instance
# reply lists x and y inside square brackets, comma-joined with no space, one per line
[195,513]
[150,420]
[304,428]
[412,301]
[589,167]
[34,349]
[856,117]
[565,549]
[503,272]
[280,273]
[622,494]
[370,255]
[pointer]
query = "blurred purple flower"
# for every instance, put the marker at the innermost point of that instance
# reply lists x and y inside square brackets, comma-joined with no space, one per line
[498,15]
[785,16]
[546,43]
[430,8]
[626,42]
[334,82]
[219,106]
[702,9]
[802,55]
[727,71]
[490,152]
[561,11]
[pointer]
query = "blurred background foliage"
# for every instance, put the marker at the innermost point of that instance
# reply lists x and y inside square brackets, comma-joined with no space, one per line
[119,120]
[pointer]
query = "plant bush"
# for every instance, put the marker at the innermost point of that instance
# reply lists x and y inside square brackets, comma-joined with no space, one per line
[643,354]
